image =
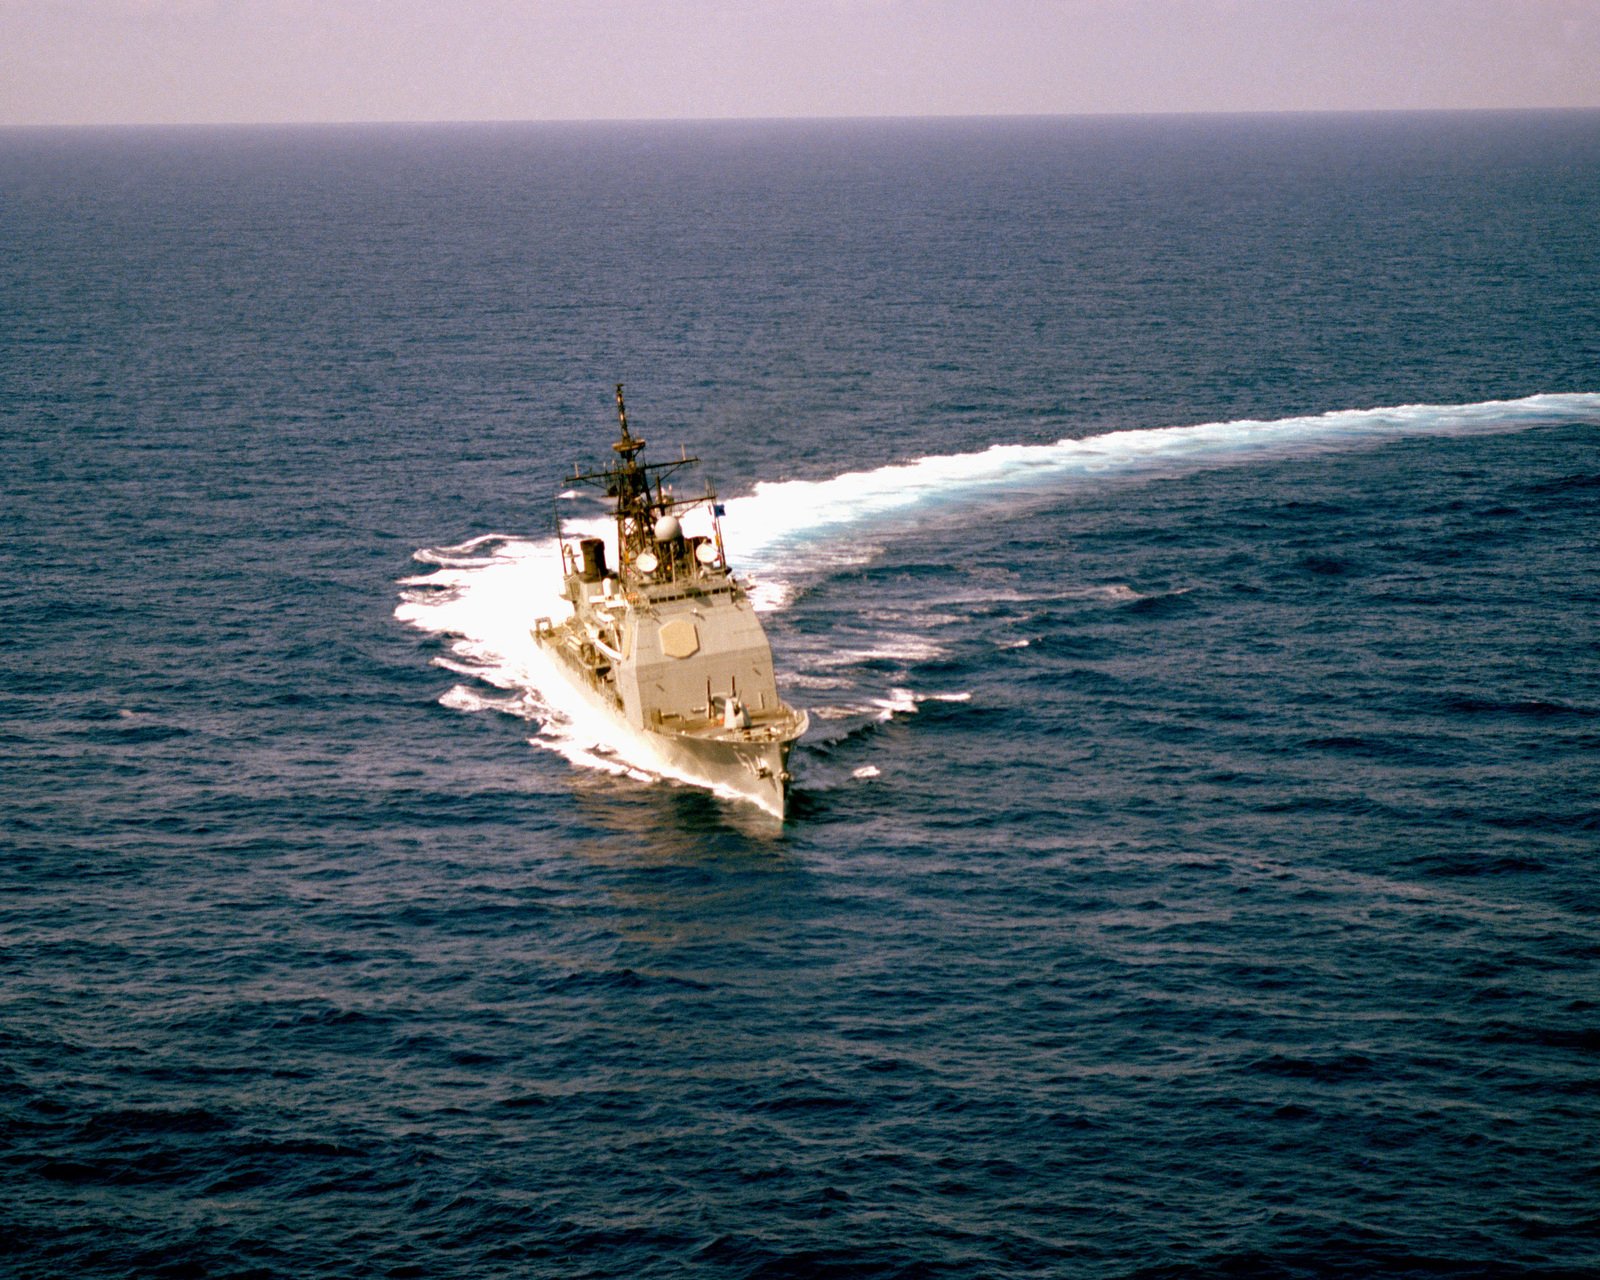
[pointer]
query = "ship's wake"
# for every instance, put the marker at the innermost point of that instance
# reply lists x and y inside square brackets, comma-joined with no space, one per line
[483,595]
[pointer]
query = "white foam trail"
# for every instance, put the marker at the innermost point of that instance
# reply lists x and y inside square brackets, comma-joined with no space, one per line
[461,698]
[899,702]
[486,592]
[779,514]
[574,751]
[902,649]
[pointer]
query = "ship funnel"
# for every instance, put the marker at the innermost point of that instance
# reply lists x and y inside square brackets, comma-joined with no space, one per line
[594,559]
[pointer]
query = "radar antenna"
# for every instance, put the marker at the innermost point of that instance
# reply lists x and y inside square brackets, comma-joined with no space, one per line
[627,446]
[629,484]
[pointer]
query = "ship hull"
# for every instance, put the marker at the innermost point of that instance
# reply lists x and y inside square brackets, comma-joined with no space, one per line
[754,770]
[757,772]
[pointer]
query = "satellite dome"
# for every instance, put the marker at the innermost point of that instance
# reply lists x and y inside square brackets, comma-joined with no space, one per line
[668,528]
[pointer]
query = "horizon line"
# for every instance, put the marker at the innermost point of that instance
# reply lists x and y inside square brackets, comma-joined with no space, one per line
[799,119]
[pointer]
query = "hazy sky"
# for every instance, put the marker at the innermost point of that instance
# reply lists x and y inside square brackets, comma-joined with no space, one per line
[157,61]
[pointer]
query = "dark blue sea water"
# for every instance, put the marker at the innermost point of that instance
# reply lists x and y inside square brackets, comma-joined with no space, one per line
[1193,865]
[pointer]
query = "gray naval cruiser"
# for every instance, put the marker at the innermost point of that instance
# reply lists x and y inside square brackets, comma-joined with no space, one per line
[667,642]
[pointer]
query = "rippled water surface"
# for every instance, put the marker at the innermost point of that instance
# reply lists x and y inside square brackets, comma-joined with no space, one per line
[1182,533]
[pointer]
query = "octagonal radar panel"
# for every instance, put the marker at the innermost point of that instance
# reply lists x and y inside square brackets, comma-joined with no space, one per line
[679,639]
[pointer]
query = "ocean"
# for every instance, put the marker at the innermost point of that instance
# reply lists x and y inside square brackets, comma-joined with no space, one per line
[1181,531]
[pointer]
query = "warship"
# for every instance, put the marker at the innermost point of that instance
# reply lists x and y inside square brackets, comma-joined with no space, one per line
[666,643]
